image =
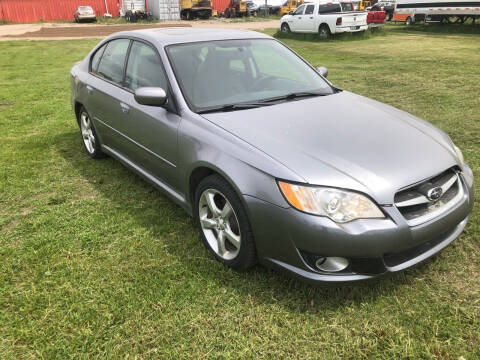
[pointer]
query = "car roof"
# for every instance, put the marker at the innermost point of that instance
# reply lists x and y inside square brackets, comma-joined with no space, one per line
[179,35]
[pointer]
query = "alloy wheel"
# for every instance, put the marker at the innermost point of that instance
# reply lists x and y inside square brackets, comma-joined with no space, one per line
[219,224]
[87,133]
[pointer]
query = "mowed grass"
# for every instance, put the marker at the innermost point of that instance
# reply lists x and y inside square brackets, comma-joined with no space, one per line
[95,263]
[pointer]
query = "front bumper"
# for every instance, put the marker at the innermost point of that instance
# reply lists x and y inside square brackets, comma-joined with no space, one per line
[86,17]
[286,239]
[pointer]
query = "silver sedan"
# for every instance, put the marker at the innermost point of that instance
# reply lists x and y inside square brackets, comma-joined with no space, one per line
[275,163]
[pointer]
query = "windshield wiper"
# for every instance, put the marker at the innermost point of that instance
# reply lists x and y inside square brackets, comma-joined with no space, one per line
[296,95]
[233,107]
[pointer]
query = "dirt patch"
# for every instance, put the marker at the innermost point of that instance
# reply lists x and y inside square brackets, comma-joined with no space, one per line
[54,31]
[89,31]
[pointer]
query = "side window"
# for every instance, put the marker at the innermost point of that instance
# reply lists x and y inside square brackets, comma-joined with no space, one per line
[299,10]
[309,9]
[96,58]
[113,60]
[144,68]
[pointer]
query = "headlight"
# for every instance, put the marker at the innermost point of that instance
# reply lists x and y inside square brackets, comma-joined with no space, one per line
[339,205]
[459,155]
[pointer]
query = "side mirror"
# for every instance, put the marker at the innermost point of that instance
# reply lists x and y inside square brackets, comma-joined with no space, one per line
[323,71]
[290,13]
[151,96]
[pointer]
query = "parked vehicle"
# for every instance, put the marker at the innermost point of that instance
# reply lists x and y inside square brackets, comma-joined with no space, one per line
[443,11]
[388,7]
[236,8]
[376,18]
[324,18]
[192,9]
[274,162]
[289,6]
[84,13]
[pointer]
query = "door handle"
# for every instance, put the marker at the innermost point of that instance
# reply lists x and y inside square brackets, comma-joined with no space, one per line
[125,108]
[89,90]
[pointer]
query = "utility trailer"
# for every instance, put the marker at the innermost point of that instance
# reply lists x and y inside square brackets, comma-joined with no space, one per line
[441,11]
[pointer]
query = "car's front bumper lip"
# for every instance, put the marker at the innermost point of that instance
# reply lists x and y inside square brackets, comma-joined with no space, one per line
[284,235]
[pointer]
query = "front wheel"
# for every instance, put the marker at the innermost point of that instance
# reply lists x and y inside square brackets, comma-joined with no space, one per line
[285,28]
[408,21]
[223,223]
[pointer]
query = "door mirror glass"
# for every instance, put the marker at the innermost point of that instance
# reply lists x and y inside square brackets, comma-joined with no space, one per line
[323,71]
[151,96]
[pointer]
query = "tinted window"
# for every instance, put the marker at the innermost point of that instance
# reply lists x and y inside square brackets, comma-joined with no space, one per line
[113,60]
[329,8]
[96,58]
[309,9]
[299,10]
[347,6]
[144,68]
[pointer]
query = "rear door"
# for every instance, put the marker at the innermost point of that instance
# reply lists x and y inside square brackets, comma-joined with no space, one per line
[307,23]
[104,90]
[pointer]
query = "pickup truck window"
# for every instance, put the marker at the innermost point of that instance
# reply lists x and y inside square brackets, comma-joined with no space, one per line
[299,10]
[347,7]
[329,8]
[309,9]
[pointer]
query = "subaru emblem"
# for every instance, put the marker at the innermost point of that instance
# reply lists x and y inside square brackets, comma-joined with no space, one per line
[435,193]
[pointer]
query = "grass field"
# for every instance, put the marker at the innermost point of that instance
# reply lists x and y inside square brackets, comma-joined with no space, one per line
[97,264]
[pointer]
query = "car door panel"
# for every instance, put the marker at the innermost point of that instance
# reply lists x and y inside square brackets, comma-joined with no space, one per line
[150,130]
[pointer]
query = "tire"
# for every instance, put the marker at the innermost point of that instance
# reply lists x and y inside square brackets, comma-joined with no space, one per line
[285,28]
[388,17]
[324,31]
[233,13]
[408,21]
[228,237]
[91,141]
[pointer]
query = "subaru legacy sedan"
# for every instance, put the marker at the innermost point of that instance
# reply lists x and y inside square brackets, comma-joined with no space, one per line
[275,163]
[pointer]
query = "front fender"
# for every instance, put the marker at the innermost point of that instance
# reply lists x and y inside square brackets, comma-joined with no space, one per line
[249,170]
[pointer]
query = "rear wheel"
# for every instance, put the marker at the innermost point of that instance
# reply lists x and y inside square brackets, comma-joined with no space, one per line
[285,28]
[324,31]
[91,142]
[223,223]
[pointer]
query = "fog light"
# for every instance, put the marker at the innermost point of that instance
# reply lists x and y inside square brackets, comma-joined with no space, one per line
[331,264]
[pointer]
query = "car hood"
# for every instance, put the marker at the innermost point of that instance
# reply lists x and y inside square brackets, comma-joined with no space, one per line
[345,140]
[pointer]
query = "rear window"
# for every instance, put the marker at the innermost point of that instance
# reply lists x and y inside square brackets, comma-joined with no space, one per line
[329,8]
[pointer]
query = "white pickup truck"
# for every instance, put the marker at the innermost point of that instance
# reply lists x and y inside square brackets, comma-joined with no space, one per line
[324,18]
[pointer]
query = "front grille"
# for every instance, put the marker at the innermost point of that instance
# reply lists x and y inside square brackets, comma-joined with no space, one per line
[430,198]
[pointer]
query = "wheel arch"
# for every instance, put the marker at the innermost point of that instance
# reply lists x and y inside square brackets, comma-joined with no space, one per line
[324,24]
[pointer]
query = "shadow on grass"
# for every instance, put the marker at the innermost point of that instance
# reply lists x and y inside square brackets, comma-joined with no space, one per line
[119,185]
[356,36]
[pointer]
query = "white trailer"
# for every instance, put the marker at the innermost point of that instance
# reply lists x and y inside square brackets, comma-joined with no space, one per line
[444,11]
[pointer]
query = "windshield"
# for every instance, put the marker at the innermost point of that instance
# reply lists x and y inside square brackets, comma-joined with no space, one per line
[217,73]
